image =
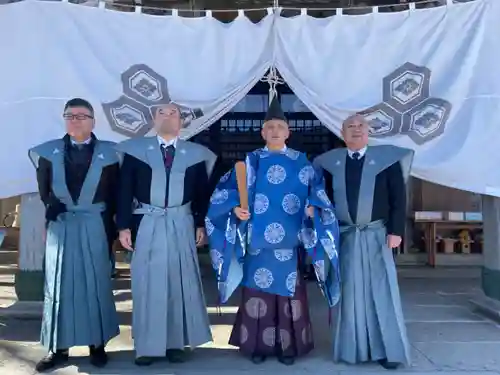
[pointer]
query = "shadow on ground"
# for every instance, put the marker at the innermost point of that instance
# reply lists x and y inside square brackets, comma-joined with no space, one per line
[19,330]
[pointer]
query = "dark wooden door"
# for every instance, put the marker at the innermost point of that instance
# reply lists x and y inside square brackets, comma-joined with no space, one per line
[238,131]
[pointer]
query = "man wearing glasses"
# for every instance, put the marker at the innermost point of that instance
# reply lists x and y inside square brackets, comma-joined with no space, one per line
[77,177]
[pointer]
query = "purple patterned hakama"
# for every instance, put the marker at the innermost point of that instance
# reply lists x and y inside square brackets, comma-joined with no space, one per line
[271,325]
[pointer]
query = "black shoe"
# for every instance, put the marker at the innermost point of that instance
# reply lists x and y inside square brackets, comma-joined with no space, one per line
[98,356]
[176,355]
[388,365]
[258,359]
[52,360]
[287,360]
[143,361]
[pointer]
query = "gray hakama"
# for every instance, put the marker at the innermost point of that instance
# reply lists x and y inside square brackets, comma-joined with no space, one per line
[79,307]
[370,324]
[169,305]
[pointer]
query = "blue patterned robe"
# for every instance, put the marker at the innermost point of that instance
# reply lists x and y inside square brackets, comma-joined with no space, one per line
[262,252]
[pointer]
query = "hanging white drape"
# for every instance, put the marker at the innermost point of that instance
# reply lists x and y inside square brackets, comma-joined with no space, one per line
[56,51]
[428,78]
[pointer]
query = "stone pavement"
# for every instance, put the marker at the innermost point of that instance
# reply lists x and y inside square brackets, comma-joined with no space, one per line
[447,337]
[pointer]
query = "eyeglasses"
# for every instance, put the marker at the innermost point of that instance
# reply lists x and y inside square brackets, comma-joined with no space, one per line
[78,116]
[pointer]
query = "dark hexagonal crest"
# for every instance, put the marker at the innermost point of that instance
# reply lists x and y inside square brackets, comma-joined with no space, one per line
[384,121]
[128,117]
[144,85]
[406,86]
[426,120]
[144,90]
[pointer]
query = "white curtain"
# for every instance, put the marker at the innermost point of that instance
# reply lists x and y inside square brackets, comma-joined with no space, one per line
[56,51]
[429,80]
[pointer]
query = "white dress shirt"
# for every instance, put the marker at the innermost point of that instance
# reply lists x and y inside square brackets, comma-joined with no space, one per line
[164,143]
[361,152]
[73,142]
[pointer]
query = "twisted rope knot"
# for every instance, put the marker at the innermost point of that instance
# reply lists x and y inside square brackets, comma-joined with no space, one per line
[273,79]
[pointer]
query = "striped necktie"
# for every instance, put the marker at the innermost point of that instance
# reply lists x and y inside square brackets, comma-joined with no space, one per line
[168,153]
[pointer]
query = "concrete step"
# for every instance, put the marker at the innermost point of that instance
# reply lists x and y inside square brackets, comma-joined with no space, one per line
[11,239]
[486,306]
[8,256]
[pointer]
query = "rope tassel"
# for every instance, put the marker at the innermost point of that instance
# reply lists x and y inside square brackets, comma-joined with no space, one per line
[273,79]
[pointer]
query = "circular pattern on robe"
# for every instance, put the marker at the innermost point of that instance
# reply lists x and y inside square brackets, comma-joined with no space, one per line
[329,247]
[309,237]
[306,174]
[256,308]
[291,204]
[292,154]
[263,278]
[274,233]
[327,216]
[243,334]
[269,336]
[251,177]
[286,310]
[219,196]
[285,339]
[209,227]
[283,255]
[261,203]
[216,258]
[307,337]
[231,234]
[276,174]
[225,177]
[319,267]
[296,309]
[291,281]
[321,194]
[293,309]
[253,252]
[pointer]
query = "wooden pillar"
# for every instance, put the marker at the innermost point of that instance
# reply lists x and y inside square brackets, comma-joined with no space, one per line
[491,249]
[30,277]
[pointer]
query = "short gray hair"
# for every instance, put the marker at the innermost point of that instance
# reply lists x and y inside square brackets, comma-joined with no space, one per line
[354,117]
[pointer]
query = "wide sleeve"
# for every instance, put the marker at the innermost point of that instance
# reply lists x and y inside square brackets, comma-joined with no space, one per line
[227,235]
[202,194]
[112,187]
[397,200]
[53,206]
[125,196]
[44,178]
[321,236]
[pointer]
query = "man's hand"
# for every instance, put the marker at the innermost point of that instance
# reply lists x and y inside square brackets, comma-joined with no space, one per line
[393,241]
[125,238]
[241,213]
[310,211]
[200,236]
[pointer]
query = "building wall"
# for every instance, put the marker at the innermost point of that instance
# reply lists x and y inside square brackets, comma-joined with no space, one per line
[426,196]
[7,206]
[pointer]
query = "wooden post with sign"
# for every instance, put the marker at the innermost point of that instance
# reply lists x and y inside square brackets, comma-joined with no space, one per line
[30,277]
